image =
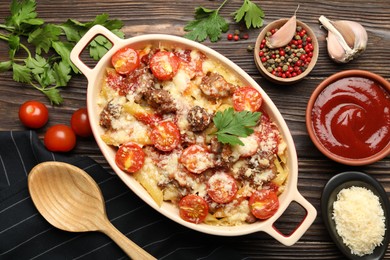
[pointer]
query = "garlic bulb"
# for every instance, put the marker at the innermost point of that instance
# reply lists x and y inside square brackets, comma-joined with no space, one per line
[346,39]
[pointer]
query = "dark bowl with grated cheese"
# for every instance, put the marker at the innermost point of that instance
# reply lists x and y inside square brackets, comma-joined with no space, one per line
[344,181]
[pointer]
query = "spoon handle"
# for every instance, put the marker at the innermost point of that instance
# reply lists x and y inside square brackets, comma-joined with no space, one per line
[129,247]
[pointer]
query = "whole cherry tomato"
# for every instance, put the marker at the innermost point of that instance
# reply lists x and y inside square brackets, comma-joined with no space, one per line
[125,60]
[164,65]
[130,157]
[80,123]
[264,203]
[33,114]
[193,208]
[247,98]
[60,138]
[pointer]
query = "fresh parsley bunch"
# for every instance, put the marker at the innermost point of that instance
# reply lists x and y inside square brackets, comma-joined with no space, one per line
[209,23]
[47,66]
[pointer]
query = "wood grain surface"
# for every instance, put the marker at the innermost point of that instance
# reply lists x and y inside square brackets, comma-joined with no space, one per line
[160,16]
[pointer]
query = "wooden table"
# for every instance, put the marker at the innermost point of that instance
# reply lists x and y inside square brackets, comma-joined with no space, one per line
[157,16]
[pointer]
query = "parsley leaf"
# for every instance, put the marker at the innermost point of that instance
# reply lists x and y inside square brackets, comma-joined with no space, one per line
[42,37]
[252,14]
[21,73]
[23,15]
[232,124]
[207,23]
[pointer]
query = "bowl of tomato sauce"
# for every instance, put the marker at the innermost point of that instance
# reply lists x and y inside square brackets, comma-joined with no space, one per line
[348,117]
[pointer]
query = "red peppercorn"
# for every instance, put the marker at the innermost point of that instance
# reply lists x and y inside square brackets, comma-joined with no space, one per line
[308,39]
[263,59]
[245,36]
[236,37]
[261,53]
[230,36]
[282,53]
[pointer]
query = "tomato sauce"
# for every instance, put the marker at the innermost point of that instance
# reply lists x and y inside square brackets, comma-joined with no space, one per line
[351,117]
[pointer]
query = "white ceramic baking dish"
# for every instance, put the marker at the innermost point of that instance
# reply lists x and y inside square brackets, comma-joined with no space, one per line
[95,76]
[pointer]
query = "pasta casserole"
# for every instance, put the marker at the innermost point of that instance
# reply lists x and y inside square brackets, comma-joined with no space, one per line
[193,134]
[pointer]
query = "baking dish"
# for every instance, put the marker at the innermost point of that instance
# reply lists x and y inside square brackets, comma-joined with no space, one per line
[95,76]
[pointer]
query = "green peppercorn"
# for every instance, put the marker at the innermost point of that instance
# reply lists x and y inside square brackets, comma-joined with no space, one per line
[285,68]
[299,28]
[297,37]
[270,69]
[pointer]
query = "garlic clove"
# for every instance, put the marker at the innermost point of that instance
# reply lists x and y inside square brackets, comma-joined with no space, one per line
[335,49]
[361,36]
[346,39]
[346,31]
[284,35]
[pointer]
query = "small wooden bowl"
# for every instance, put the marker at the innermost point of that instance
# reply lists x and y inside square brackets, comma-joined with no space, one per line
[310,124]
[279,80]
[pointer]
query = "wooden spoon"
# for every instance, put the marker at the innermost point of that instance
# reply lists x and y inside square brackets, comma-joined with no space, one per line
[69,199]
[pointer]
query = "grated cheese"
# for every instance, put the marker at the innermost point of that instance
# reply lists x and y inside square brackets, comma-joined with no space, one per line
[359,219]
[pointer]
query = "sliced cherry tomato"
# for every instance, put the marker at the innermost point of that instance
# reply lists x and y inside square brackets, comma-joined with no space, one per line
[193,208]
[60,138]
[33,114]
[164,65]
[247,98]
[222,187]
[165,136]
[264,203]
[80,123]
[196,159]
[125,60]
[130,157]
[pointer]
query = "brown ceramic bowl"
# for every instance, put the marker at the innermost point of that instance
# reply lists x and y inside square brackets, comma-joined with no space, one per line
[358,119]
[270,76]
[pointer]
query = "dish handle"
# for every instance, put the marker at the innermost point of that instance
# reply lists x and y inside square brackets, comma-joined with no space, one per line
[83,43]
[306,222]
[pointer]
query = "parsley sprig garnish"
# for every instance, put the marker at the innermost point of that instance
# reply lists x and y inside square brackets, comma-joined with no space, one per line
[46,65]
[209,22]
[231,125]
